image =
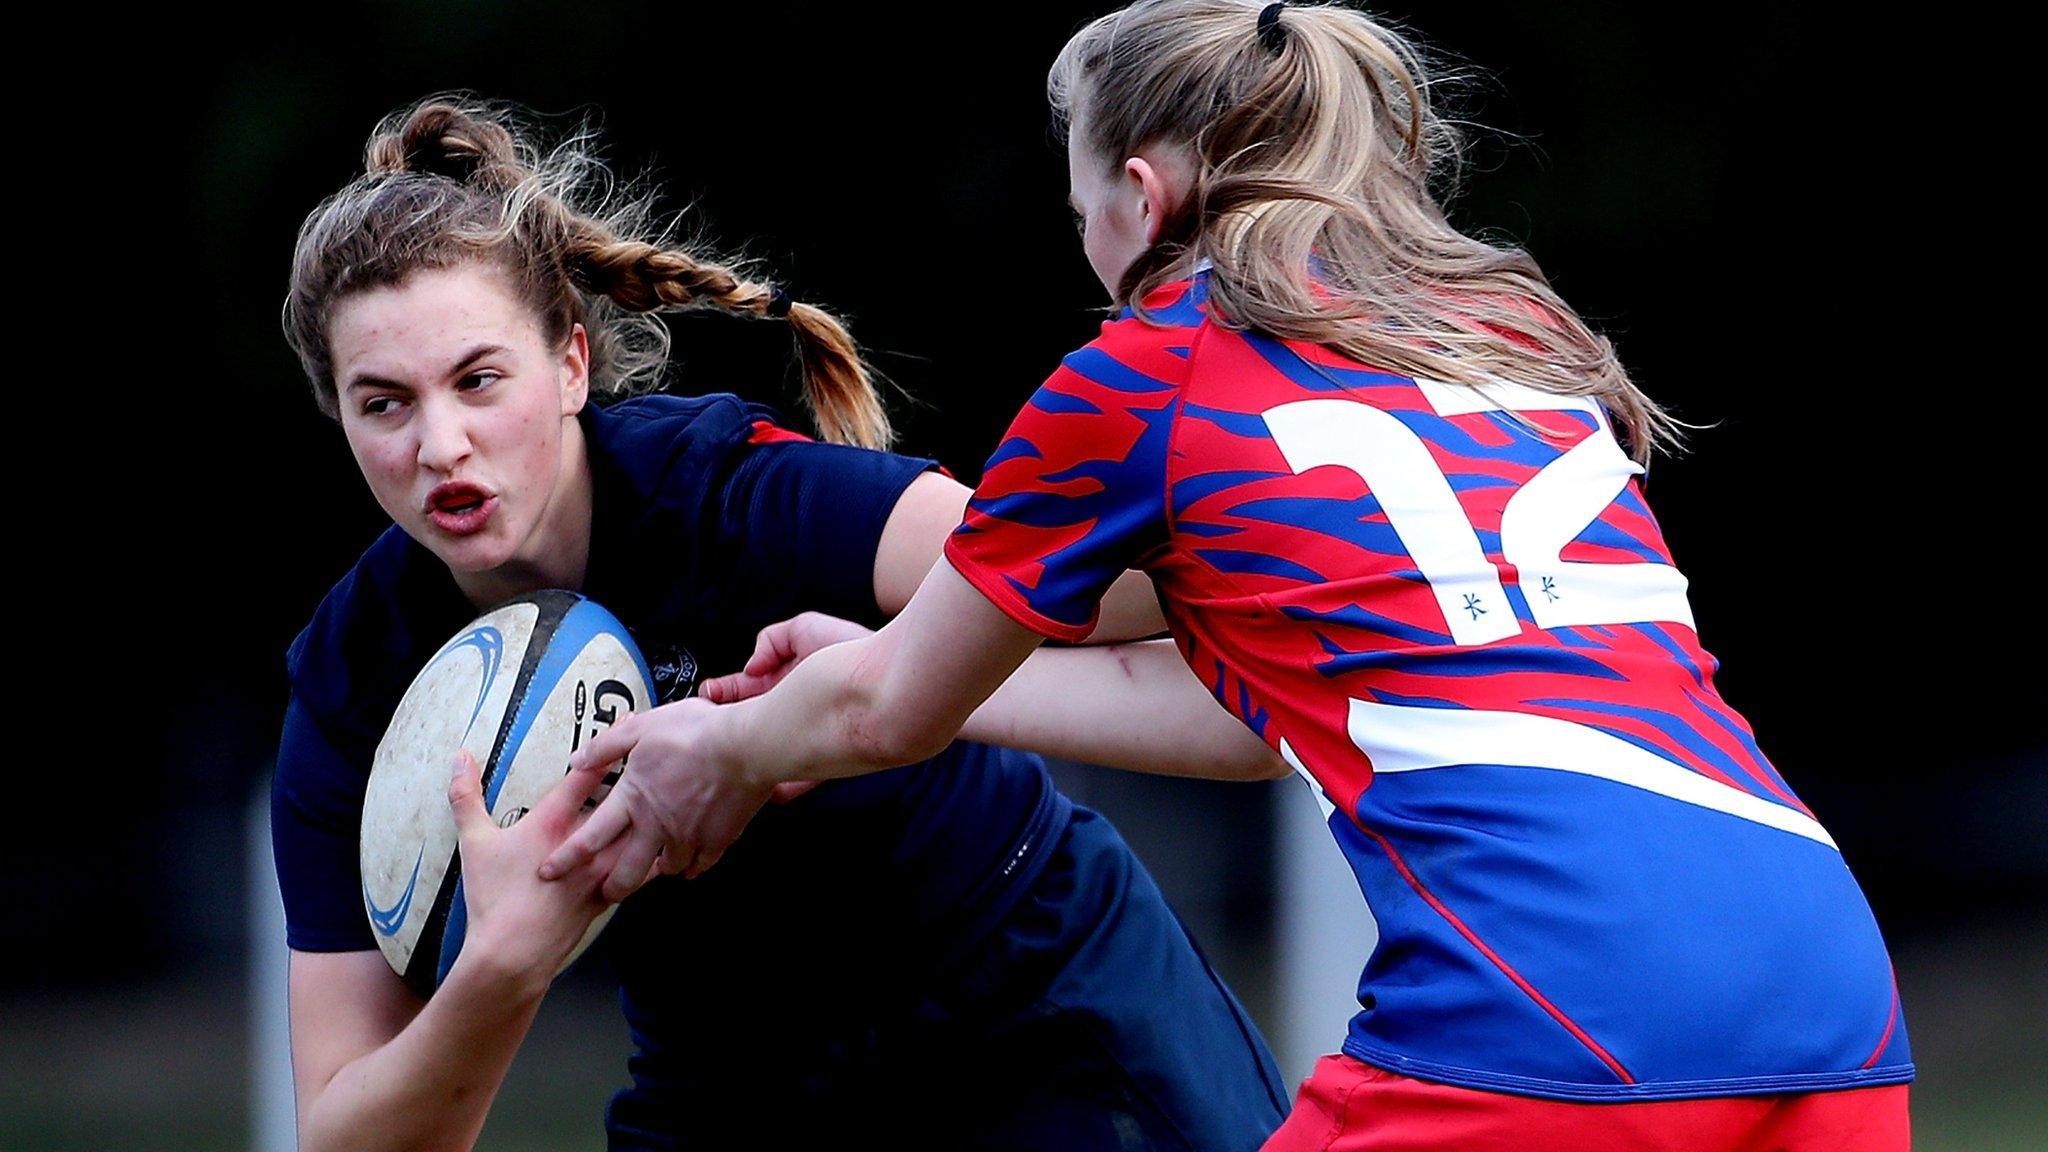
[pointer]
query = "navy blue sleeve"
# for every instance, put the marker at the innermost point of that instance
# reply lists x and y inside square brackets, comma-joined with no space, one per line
[803,521]
[316,805]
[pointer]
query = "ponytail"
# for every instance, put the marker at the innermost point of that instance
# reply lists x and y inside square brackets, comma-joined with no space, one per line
[1316,151]
[642,277]
[454,180]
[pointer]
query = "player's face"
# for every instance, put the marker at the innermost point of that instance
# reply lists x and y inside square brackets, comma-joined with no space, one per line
[1109,210]
[461,415]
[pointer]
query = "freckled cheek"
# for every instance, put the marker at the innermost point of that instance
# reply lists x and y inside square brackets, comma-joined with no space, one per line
[393,479]
[521,453]
[383,465]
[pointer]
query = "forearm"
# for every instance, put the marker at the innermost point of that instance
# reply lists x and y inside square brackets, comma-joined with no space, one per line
[1132,706]
[842,712]
[891,698]
[431,1085]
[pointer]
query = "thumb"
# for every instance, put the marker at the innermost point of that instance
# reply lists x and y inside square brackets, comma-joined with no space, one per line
[466,796]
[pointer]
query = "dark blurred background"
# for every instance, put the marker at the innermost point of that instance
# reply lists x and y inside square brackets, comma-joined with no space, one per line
[1759,216]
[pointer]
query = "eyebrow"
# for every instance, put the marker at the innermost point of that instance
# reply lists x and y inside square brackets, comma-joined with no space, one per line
[470,357]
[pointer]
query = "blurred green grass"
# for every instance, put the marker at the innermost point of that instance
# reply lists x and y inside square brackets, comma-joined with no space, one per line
[165,1068]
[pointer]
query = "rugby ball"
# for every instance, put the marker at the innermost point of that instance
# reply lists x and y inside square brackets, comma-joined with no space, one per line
[521,687]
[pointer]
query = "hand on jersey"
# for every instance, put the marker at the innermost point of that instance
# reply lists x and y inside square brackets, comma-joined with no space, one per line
[522,927]
[777,651]
[678,808]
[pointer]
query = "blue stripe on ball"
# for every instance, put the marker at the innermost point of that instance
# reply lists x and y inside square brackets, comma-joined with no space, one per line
[580,625]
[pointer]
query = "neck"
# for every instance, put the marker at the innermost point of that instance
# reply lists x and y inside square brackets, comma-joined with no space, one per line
[562,552]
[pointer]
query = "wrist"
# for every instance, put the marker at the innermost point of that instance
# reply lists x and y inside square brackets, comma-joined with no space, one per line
[729,738]
[496,976]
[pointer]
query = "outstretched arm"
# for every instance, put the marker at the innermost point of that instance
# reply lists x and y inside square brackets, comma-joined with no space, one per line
[1133,706]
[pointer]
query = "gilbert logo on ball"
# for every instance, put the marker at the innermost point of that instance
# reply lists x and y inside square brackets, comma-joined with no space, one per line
[521,687]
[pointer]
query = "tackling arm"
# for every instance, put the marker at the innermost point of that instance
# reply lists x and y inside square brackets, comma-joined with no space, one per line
[1133,706]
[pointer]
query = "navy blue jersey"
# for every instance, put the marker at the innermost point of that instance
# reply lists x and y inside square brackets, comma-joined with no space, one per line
[709,524]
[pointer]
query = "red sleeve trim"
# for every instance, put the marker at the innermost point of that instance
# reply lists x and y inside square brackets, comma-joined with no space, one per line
[767,433]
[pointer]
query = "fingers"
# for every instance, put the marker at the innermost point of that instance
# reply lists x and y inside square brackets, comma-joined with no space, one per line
[771,650]
[735,687]
[774,653]
[466,796]
[635,863]
[772,647]
[778,649]
[562,801]
[614,743]
[603,827]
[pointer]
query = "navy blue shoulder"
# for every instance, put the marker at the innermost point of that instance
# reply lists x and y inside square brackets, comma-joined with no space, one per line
[712,521]
[648,440]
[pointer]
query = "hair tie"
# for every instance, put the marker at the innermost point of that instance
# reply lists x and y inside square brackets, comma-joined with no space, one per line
[1271,34]
[778,303]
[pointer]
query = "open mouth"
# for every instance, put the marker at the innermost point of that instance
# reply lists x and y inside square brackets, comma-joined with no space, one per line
[459,507]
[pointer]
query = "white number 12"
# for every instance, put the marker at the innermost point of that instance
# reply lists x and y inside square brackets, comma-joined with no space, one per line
[1544,515]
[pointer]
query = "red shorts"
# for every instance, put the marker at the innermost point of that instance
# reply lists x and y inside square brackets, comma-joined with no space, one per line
[1347,1106]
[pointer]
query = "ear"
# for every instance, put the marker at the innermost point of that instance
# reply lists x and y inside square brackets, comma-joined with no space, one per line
[575,371]
[1163,188]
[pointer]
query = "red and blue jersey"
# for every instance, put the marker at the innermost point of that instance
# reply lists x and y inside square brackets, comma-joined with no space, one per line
[1451,608]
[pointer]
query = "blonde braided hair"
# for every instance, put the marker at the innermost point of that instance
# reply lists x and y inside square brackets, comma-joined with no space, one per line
[454,180]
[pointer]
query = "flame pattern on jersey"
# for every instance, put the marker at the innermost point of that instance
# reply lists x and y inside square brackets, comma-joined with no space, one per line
[1452,609]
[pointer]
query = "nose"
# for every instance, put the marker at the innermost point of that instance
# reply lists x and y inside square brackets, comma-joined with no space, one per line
[443,436]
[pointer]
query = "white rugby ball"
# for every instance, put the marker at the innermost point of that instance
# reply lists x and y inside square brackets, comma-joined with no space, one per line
[522,687]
